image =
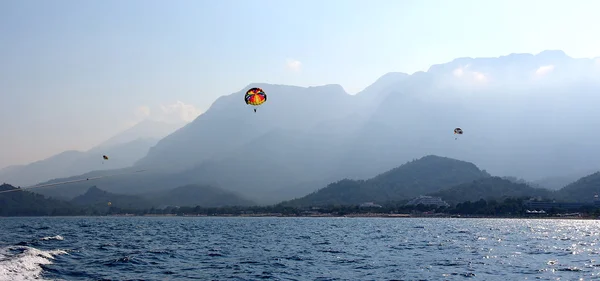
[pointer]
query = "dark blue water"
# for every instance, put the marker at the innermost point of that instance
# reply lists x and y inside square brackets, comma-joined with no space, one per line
[146,248]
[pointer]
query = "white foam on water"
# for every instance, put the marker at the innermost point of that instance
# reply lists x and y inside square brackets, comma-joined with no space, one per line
[26,264]
[56,237]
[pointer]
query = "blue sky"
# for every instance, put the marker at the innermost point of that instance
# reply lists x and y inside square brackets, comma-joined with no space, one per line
[73,73]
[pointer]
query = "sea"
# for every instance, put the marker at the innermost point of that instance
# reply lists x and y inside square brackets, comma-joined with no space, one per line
[274,248]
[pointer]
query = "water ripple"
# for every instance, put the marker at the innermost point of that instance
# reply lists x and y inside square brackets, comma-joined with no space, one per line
[205,248]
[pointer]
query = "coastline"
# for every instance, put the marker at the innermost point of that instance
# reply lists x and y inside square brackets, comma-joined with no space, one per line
[576,216]
[365,215]
[282,216]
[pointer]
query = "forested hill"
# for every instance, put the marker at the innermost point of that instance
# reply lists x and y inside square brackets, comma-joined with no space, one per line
[418,177]
[492,188]
[26,203]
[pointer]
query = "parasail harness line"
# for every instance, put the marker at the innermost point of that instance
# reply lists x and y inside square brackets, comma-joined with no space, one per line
[71,181]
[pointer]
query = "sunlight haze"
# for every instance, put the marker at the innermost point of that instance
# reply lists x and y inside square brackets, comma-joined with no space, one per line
[75,73]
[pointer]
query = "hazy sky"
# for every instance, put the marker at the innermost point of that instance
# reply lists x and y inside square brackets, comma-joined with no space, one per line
[74,73]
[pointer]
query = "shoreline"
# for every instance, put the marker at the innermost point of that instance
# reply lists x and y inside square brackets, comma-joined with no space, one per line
[368,215]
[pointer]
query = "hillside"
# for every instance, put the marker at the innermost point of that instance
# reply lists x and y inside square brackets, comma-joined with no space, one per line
[54,166]
[100,198]
[25,203]
[113,181]
[582,190]
[205,138]
[198,195]
[189,195]
[123,150]
[307,136]
[493,188]
[418,177]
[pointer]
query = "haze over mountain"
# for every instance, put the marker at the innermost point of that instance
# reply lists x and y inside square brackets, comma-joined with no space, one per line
[100,198]
[556,182]
[583,189]
[197,195]
[527,116]
[123,150]
[148,129]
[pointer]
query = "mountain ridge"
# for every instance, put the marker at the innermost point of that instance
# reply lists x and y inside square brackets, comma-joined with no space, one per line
[508,109]
[122,149]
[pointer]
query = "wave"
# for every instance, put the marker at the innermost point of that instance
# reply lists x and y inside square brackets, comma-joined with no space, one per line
[55,237]
[19,263]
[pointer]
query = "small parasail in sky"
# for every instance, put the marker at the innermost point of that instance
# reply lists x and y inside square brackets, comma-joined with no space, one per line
[458,131]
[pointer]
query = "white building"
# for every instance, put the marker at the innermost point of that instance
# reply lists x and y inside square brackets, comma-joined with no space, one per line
[369,204]
[428,200]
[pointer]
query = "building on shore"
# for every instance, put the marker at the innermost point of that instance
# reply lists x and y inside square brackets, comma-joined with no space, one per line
[536,204]
[369,205]
[428,201]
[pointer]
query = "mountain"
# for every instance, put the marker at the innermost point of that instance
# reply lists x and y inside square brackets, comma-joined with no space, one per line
[25,175]
[123,150]
[523,115]
[582,190]
[493,188]
[129,181]
[25,203]
[377,92]
[418,177]
[230,124]
[198,195]
[557,182]
[146,129]
[97,197]
[4,172]
[509,108]
[76,162]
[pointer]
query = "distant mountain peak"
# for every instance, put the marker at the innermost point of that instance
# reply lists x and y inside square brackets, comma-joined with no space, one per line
[332,87]
[389,78]
[265,86]
[146,128]
[432,162]
[523,59]
[393,74]
[383,85]
[555,54]
[431,157]
[71,163]
[441,158]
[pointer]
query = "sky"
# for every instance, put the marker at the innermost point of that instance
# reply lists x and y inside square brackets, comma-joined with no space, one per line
[74,73]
